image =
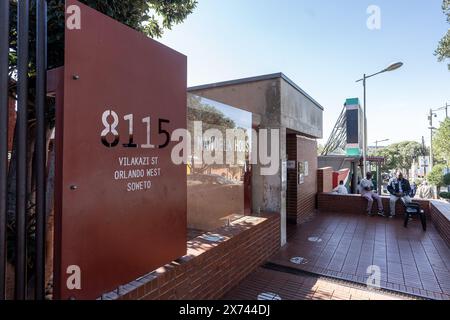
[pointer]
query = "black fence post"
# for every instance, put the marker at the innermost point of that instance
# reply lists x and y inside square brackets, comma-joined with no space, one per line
[41,143]
[22,124]
[4,110]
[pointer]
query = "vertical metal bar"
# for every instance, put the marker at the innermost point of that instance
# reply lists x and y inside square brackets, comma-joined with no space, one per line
[4,110]
[41,152]
[431,141]
[365,130]
[22,122]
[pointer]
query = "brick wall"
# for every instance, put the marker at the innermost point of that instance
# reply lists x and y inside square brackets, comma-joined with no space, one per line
[325,180]
[209,270]
[301,198]
[440,215]
[354,203]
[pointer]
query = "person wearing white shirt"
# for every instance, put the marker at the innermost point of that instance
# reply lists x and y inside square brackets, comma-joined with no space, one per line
[366,189]
[341,189]
[399,188]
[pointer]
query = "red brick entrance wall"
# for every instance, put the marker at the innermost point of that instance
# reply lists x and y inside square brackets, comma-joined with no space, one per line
[209,270]
[301,197]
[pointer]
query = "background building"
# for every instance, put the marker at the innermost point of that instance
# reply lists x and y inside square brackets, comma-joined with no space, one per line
[276,102]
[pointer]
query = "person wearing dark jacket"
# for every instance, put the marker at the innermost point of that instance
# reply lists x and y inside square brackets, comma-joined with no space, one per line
[399,188]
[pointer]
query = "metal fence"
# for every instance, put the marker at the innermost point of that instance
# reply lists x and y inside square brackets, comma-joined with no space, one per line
[21,77]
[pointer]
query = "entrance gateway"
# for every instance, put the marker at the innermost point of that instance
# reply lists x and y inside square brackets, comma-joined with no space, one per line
[113,144]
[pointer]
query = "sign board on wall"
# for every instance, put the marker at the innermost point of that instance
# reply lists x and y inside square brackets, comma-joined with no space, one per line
[301,172]
[120,200]
[353,127]
[291,164]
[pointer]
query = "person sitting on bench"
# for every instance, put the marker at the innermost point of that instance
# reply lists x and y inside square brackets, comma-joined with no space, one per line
[399,188]
[366,189]
[341,188]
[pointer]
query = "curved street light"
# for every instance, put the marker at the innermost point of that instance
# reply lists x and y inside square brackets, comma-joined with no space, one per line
[391,67]
[394,66]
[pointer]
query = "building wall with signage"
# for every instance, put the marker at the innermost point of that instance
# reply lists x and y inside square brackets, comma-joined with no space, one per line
[120,200]
[355,125]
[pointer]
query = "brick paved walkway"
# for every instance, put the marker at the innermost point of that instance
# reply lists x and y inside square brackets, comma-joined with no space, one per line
[410,260]
[287,286]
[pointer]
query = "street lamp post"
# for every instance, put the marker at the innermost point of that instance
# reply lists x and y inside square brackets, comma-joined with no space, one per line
[378,141]
[392,67]
[430,117]
[379,178]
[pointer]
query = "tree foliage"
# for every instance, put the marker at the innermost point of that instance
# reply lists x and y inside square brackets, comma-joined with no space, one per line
[441,141]
[148,16]
[400,156]
[320,148]
[436,176]
[447,179]
[443,50]
[211,117]
[445,195]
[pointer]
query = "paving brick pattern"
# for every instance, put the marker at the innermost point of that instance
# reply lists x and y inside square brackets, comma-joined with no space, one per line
[410,260]
[300,287]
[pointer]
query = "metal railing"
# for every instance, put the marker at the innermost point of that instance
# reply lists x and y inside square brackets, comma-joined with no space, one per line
[21,142]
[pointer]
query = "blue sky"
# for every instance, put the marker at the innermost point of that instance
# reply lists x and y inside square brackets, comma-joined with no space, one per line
[324,46]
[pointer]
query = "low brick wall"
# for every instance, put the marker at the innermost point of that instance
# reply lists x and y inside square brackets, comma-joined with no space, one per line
[354,203]
[209,270]
[440,215]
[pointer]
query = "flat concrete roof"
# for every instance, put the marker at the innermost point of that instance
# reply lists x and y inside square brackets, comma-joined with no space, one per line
[256,79]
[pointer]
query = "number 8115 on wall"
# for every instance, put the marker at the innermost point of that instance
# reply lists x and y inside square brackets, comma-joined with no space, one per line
[110,121]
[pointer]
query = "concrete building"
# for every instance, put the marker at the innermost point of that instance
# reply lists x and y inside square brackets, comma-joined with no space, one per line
[276,102]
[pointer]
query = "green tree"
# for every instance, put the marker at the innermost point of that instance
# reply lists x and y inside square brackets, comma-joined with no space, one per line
[320,148]
[211,118]
[441,142]
[443,50]
[436,176]
[148,16]
[400,156]
[446,179]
